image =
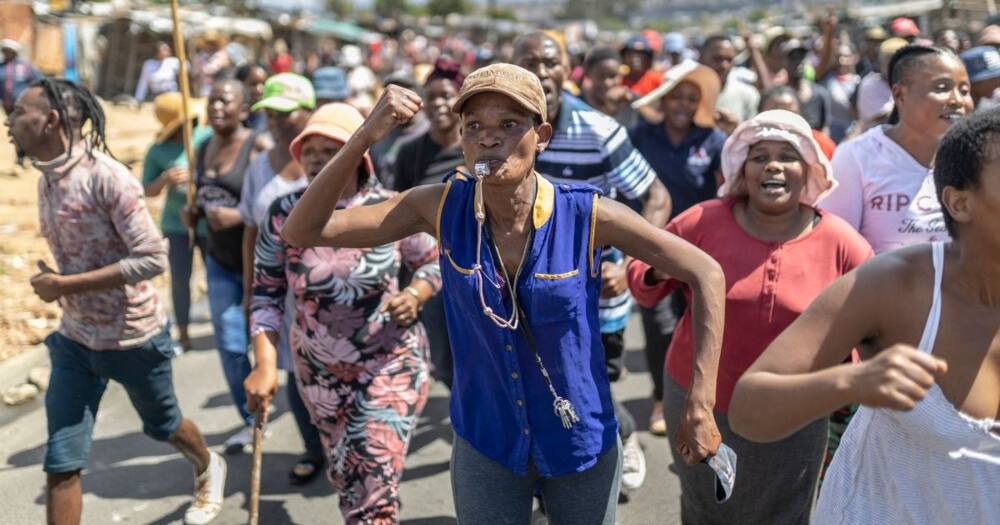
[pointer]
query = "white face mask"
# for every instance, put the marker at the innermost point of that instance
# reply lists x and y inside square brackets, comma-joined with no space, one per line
[724,465]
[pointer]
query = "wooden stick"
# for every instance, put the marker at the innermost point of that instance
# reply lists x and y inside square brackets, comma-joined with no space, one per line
[180,49]
[260,421]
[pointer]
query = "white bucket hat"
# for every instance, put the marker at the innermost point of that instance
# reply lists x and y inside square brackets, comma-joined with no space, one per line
[784,126]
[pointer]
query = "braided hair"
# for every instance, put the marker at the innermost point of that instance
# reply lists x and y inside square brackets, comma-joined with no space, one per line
[76,106]
[904,62]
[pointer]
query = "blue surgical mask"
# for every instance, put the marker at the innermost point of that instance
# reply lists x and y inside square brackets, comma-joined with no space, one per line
[724,465]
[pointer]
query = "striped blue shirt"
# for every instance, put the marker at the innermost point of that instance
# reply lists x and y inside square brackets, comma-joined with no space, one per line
[589,147]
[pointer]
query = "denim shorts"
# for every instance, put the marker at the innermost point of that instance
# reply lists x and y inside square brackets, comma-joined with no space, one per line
[78,380]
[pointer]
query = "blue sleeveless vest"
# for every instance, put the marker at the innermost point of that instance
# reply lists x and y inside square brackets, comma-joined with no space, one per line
[500,402]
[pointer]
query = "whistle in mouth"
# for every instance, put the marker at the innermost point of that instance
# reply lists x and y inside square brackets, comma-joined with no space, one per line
[482,168]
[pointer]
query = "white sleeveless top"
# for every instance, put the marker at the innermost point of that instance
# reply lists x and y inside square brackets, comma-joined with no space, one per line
[928,466]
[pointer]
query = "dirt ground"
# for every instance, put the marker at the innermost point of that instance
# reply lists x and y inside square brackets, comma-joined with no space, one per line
[24,319]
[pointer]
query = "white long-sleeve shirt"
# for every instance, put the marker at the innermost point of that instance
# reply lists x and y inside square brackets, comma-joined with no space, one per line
[158,76]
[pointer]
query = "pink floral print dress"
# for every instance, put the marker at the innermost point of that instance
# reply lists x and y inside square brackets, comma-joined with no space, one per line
[363,377]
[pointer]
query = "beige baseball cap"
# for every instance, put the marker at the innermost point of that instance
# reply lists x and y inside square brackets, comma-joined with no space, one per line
[507,79]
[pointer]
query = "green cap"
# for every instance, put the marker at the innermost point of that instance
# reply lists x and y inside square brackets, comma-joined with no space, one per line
[286,92]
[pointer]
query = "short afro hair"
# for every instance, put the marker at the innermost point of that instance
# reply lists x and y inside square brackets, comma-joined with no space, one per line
[600,54]
[963,152]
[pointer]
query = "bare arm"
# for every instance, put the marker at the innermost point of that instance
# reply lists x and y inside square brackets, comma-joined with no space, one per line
[222,218]
[759,64]
[619,226]
[768,404]
[262,383]
[656,205]
[827,56]
[314,222]
[156,187]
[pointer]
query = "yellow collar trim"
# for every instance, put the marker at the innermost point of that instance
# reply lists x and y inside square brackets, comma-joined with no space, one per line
[545,198]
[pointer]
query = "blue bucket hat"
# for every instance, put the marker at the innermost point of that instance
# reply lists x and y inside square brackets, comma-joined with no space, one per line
[982,63]
[331,84]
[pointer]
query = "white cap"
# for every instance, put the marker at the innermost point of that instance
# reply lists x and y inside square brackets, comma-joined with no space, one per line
[11,44]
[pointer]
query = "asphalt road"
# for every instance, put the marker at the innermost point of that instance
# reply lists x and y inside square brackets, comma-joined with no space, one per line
[133,479]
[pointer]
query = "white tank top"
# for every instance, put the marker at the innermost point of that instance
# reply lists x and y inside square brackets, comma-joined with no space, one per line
[928,466]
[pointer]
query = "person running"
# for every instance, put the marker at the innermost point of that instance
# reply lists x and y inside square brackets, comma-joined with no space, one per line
[287,102]
[359,350]
[107,248]
[221,165]
[642,77]
[778,252]
[983,65]
[738,100]
[925,445]
[684,151]
[784,97]
[16,74]
[531,403]
[253,77]
[588,147]
[813,97]
[428,159]
[159,74]
[886,178]
[165,167]
[602,86]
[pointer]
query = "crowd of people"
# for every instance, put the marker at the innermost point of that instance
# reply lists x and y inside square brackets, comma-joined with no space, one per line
[805,221]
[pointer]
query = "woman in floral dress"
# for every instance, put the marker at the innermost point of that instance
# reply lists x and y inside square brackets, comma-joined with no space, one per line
[360,354]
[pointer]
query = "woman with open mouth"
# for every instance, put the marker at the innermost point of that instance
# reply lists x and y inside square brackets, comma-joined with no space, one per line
[778,252]
[886,176]
[531,401]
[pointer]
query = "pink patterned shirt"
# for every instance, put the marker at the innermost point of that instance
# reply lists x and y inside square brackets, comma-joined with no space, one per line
[92,214]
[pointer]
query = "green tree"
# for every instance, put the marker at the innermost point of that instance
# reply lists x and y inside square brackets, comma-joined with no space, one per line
[501,13]
[447,7]
[757,15]
[338,7]
[390,8]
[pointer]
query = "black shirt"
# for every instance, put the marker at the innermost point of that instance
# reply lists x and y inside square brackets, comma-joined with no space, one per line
[816,110]
[422,161]
[223,190]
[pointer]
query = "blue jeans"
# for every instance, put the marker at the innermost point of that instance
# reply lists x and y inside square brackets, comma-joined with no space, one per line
[180,256]
[488,493]
[225,299]
[77,382]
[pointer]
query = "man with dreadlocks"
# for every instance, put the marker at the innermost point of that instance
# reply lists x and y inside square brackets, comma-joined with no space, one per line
[107,248]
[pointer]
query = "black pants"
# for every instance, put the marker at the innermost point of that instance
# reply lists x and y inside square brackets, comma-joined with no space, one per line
[614,358]
[658,323]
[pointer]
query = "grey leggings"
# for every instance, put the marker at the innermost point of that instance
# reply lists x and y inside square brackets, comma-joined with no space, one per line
[775,482]
[488,493]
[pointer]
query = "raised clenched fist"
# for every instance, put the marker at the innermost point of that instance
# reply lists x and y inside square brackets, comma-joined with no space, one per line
[396,106]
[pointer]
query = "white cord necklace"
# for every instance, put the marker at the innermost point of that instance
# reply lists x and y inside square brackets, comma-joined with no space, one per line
[562,407]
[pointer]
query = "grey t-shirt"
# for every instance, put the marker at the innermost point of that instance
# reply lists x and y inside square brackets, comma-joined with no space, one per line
[261,187]
[739,98]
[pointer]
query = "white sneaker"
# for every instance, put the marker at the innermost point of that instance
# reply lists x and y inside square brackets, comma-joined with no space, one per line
[239,442]
[209,491]
[633,464]
[242,441]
